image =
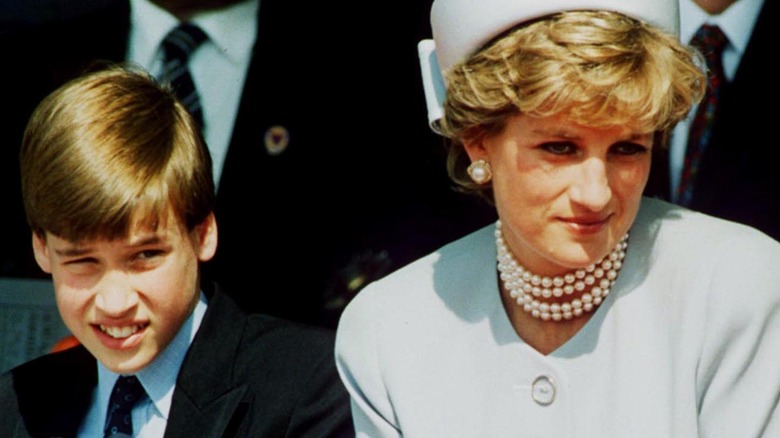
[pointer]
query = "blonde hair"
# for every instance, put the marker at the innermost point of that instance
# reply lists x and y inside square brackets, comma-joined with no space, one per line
[598,68]
[110,148]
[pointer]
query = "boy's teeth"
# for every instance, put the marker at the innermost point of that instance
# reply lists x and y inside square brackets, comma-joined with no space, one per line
[120,332]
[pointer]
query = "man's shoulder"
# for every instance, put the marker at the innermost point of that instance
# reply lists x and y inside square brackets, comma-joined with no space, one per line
[282,372]
[246,339]
[289,351]
[264,331]
[74,363]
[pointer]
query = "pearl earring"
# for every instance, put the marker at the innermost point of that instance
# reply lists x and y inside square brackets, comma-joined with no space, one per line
[480,171]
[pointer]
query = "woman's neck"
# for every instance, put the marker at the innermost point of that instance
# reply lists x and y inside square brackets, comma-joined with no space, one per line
[543,336]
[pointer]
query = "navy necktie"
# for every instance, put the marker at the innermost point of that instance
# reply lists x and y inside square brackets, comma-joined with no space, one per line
[127,392]
[177,47]
[711,41]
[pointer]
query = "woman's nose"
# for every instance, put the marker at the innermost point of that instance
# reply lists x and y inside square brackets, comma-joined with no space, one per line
[591,186]
[115,296]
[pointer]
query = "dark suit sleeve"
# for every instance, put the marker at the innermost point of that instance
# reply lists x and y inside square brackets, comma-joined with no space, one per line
[323,407]
[47,396]
[11,419]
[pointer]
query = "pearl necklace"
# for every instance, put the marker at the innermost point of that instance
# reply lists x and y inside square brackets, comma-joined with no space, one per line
[530,290]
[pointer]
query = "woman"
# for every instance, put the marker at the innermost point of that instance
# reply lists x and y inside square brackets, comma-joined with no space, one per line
[585,310]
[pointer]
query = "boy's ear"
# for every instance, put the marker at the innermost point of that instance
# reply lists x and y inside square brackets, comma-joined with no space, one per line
[41,251]
[206,235]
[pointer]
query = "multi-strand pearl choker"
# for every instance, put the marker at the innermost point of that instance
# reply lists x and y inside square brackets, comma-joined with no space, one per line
[531,291]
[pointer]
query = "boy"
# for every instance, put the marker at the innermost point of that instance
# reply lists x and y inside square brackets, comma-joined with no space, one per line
[119,194]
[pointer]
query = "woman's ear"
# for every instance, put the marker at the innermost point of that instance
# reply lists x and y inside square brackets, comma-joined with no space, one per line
[41,252]
[476,149]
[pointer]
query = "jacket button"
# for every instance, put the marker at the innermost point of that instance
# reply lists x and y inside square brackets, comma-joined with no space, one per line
[543,390]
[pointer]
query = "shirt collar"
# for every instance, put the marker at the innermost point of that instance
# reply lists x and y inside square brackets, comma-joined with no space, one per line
[159,377]
[149,24]
[233,30]
[736,21]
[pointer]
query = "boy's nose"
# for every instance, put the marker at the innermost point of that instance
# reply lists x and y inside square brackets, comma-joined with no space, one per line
[116,296]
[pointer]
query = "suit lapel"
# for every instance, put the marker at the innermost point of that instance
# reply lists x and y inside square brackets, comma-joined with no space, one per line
[274,97]
[216,418]
[249,124]
[206,401]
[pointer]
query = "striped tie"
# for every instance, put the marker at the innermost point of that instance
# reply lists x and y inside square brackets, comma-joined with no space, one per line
[711,41]
[177,46]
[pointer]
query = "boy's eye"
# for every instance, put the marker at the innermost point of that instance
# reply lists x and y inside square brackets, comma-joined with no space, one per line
[81,266]
[81,261]
[149,254]
[629,148]
[559,148]
[147,259]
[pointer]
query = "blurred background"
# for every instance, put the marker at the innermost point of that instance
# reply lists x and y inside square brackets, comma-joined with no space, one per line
[342,79]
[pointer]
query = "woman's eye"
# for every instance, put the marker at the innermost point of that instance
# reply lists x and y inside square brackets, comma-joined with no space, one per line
[559,148]
[629,148]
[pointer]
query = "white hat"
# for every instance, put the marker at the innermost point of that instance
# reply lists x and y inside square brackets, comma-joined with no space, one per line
[461,27]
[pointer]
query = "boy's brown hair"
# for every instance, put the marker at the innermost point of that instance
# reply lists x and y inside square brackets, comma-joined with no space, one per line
[108,149]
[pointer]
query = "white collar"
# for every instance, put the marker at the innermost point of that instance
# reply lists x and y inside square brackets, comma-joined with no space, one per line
[151,23]
[736,21]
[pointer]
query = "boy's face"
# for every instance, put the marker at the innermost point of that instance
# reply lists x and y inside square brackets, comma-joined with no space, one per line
[125,299]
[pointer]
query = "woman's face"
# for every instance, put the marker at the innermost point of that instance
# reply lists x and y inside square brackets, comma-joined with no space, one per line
[565,193]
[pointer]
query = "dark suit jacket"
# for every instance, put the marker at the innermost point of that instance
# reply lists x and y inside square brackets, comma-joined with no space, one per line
[360,190]
[243,376]
[738,180]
